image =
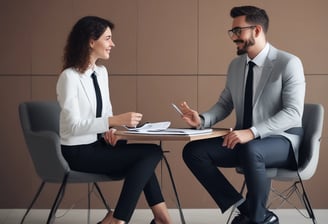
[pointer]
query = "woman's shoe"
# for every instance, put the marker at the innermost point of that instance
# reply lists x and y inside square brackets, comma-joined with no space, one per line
[152,221]
[108,214]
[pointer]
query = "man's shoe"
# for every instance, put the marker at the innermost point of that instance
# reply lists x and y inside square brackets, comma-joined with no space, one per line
[270,218]
[240,219]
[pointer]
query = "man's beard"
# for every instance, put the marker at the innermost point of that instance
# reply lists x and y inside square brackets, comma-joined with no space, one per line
[247,44]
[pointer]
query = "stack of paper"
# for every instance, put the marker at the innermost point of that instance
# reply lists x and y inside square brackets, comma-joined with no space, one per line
[162,128]
[156,126]
[179,131]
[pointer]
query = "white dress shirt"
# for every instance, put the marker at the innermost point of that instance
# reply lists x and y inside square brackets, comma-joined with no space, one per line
[257,71]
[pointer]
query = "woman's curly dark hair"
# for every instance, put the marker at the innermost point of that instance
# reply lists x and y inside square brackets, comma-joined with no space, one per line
[77,49]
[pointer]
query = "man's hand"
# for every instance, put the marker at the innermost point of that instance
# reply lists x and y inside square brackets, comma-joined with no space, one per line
[189,115]
[237,136]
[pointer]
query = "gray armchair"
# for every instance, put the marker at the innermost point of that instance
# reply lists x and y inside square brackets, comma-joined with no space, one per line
[40,124]
[312,122]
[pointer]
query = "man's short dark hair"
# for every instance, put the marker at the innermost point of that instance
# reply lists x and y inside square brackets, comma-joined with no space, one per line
[254,15]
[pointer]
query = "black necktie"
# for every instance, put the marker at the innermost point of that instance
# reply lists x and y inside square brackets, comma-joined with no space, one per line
[248,101]
[98,97]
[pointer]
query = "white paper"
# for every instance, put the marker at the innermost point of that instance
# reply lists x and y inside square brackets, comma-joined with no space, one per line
[173,131]
[155,126]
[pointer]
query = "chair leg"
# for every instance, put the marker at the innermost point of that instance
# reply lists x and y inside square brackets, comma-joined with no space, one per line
[234,207]
[33,201]
[286,195]
[102,197]
[89,202]
[58,200]
[307,203]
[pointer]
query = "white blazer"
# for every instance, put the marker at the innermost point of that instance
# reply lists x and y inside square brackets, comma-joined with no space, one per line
[77,98]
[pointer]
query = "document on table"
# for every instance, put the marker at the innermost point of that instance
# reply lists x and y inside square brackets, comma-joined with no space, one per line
[148,126]
[173,131]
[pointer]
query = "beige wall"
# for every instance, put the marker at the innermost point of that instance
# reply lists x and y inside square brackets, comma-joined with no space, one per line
[166,51]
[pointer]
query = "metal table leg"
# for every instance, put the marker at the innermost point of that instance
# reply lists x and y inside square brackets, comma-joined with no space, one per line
[174,187]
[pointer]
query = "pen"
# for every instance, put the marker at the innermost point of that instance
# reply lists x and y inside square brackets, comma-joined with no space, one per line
[177,109]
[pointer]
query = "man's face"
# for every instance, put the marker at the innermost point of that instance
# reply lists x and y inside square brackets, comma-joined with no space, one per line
[242,33]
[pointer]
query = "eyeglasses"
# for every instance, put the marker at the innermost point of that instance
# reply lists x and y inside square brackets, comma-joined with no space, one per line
[237,30]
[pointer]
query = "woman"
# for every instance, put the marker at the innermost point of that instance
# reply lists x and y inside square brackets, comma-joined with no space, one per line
[88,141]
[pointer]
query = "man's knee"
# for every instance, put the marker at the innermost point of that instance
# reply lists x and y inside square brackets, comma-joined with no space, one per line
[249,152]
[191,151]
[186,152]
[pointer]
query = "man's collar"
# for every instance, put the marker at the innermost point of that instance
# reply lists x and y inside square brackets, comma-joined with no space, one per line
[260,58]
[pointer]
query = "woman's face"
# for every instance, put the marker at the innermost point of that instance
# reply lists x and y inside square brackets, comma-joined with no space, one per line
[101,48]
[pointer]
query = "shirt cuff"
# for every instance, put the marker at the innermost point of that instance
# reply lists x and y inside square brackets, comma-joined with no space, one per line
[255,132]
[202,120]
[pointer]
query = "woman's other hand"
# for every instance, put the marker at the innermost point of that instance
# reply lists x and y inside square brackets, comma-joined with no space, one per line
[110,137]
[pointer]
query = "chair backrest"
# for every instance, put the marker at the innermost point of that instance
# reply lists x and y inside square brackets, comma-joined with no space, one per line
[40,116]
[312,121]
[40,124]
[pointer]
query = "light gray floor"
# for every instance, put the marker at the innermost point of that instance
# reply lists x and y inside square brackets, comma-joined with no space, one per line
[144,216]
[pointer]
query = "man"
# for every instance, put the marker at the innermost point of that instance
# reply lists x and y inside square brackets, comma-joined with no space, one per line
[268,120]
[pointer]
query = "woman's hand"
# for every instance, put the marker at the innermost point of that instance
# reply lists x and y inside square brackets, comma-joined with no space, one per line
[189,115]
[130,119]
[110,137]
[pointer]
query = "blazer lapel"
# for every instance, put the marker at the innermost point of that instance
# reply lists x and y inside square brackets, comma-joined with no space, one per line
[266,72]
[238,85]
[87,85]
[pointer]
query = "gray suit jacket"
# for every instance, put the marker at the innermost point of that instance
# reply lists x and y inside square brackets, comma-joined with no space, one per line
[278,101]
